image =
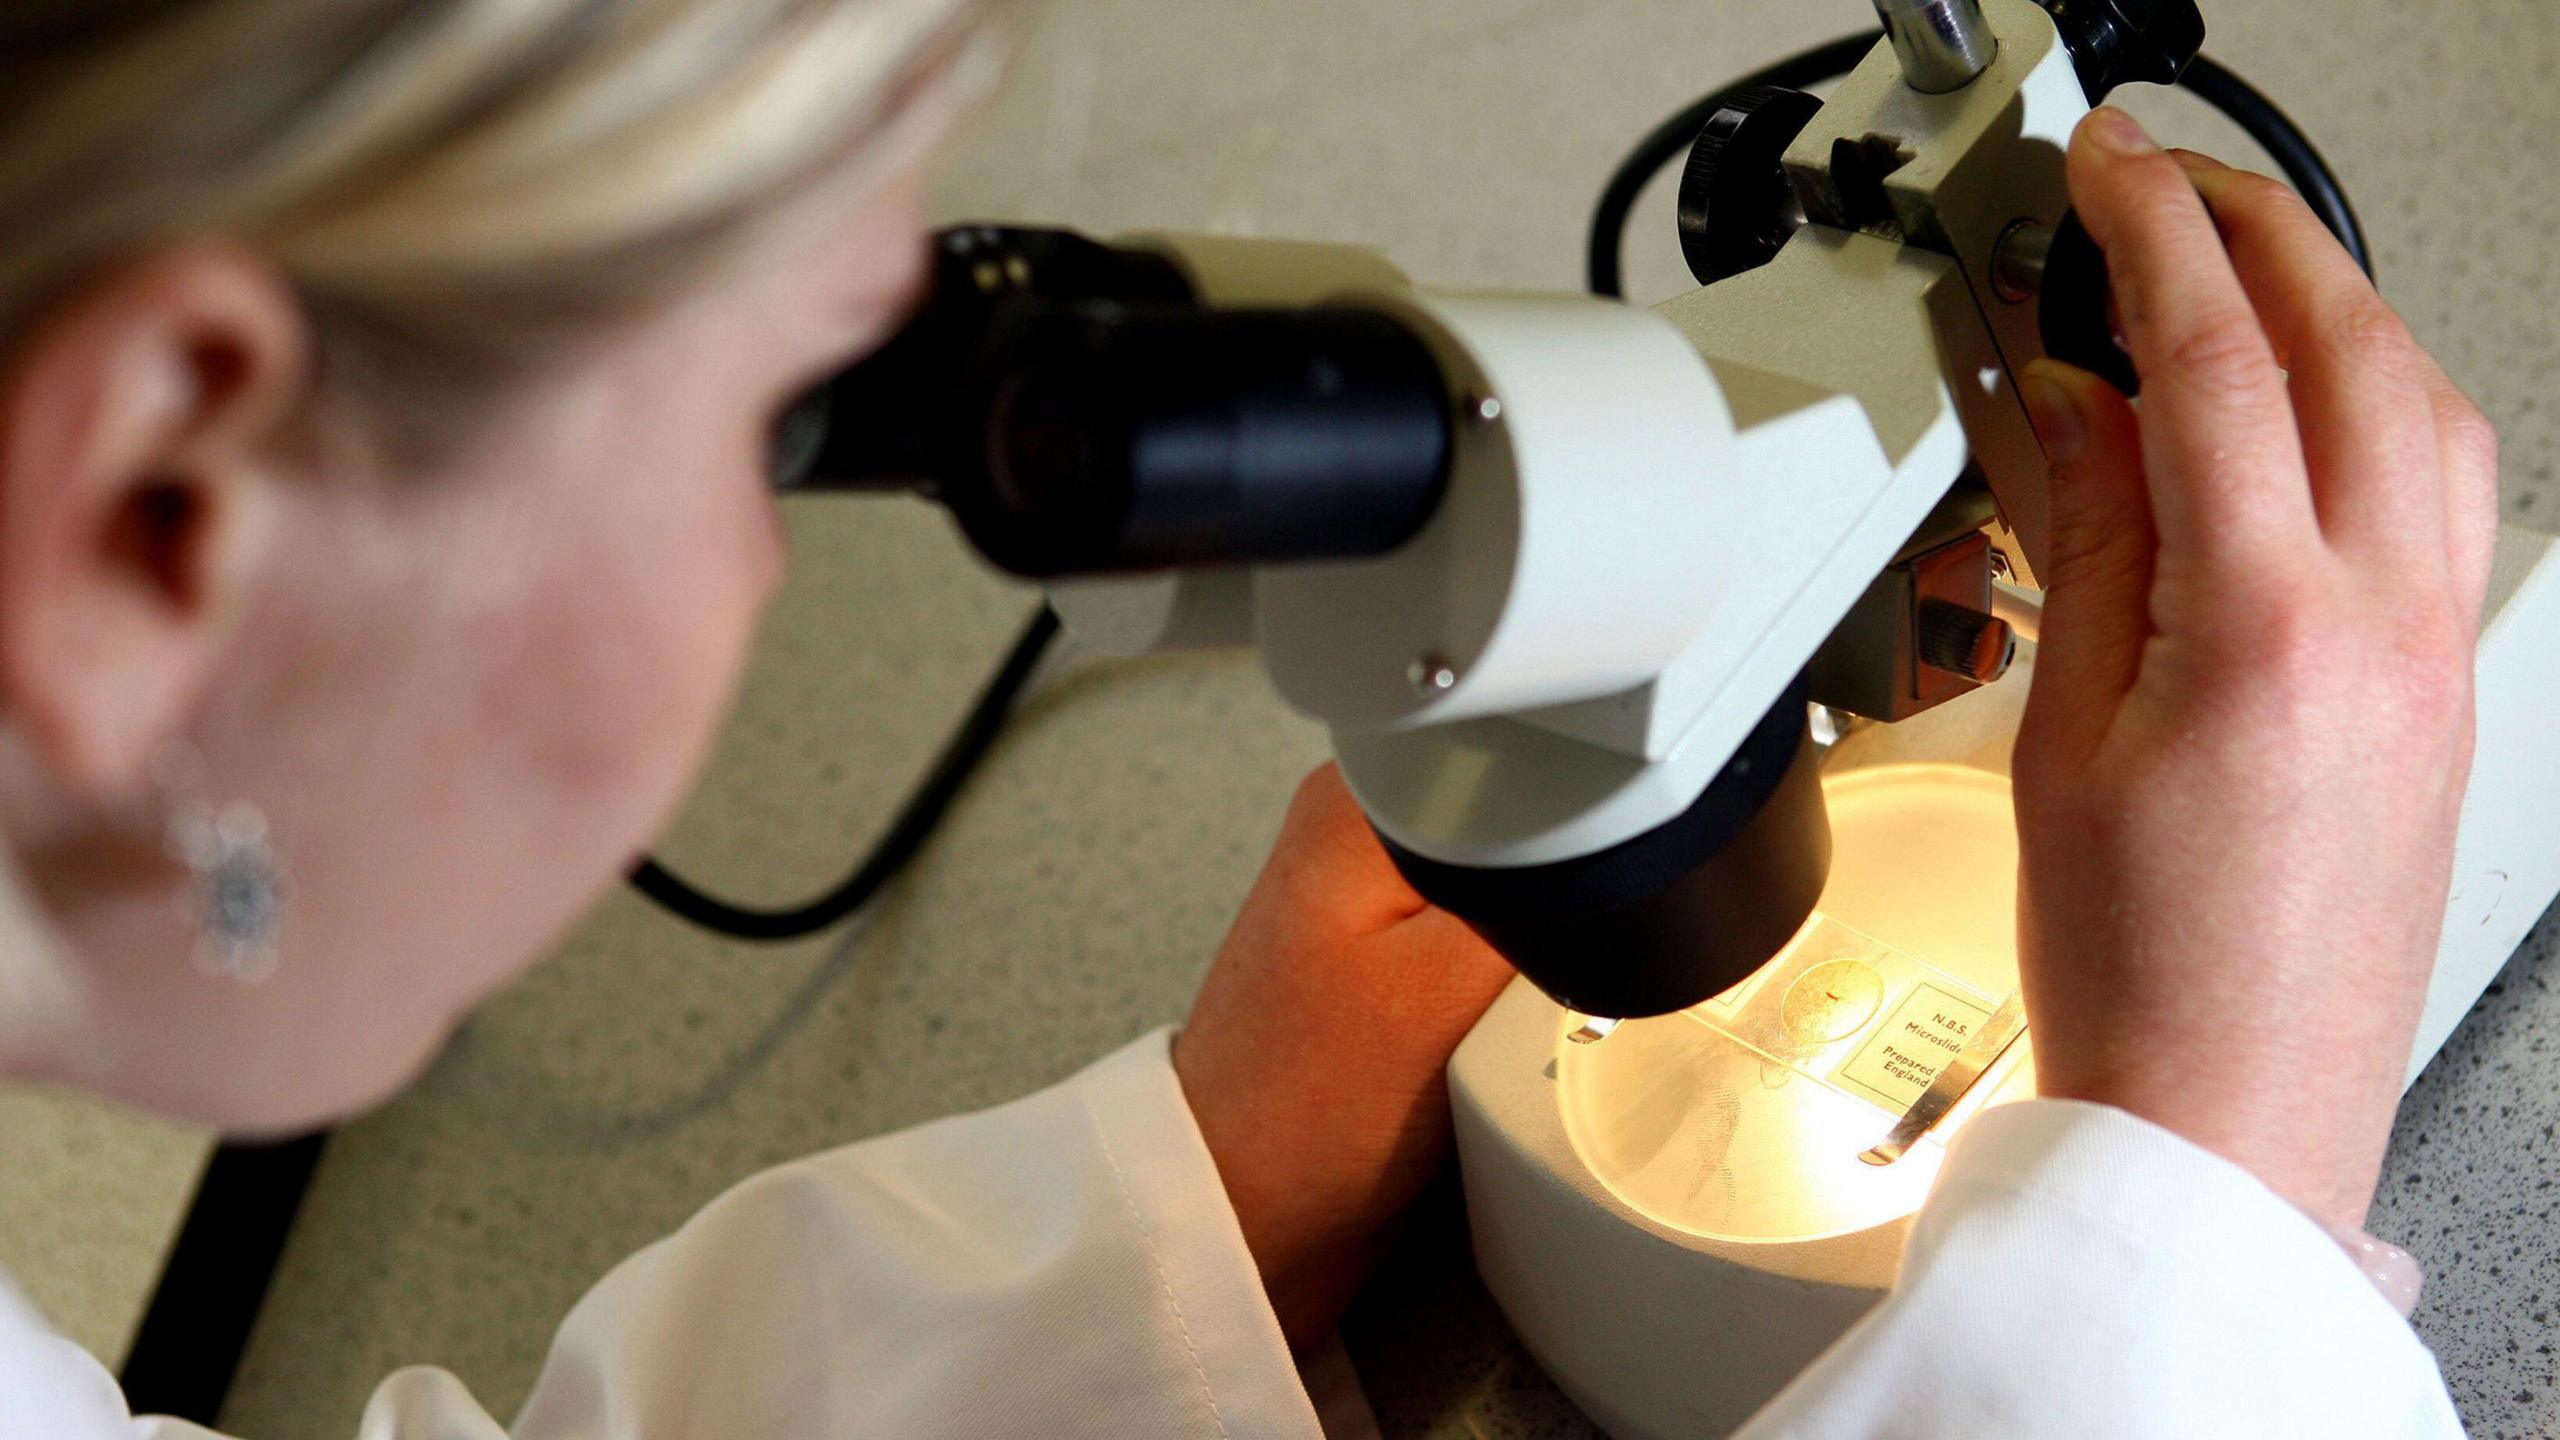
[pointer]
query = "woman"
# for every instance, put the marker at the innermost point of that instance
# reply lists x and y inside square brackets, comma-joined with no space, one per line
[385,387]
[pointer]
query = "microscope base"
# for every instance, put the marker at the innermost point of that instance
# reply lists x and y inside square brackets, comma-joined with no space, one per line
[1672,1219]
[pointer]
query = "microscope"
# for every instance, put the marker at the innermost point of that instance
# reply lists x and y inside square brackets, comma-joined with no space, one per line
[1678,651]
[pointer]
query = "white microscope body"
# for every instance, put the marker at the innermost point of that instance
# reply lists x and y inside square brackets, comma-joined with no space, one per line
[1653,522]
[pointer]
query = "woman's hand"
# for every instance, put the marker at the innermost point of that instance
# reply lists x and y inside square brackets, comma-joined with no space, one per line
[2246,748]
[1313,1058]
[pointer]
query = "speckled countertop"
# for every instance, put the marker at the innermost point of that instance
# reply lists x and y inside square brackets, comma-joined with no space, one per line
[1080,887]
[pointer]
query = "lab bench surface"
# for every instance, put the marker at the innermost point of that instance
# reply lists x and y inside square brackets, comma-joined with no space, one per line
[1079,889]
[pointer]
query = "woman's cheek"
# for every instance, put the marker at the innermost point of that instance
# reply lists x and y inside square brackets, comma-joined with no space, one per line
[703,598]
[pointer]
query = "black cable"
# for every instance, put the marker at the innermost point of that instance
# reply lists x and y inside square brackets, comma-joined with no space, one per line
[2208,81]
[186,1352]
[1672,138]
[2285,143]
[905,836]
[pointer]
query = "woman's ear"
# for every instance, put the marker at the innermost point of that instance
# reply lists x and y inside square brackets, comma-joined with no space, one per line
[144,440]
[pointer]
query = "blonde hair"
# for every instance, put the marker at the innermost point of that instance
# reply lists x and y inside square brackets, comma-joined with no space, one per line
[454,186]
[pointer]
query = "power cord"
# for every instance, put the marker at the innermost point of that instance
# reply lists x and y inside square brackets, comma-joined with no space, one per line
[2207,80]
[915,823]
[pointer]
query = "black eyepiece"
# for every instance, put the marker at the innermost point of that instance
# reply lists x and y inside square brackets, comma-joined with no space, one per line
[1080,413]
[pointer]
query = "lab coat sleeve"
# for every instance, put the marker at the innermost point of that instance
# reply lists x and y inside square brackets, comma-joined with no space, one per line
[1063,1266]
[2080,1272]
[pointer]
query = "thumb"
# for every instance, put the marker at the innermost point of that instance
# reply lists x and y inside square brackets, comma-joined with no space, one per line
[2097,578]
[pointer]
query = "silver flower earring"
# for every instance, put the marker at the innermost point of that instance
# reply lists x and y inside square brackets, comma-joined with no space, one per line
[238,904]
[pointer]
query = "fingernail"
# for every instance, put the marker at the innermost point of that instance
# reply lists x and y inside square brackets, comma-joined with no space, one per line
[2196,161]
[2392,1270]
[2056,418]
[2120,133]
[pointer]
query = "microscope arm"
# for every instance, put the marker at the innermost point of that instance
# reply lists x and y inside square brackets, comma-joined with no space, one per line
[1571,702]
[1566,702]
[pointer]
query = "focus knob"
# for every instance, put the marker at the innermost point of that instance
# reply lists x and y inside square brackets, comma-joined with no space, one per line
[2128,42]
[1736,208]
[2076,317]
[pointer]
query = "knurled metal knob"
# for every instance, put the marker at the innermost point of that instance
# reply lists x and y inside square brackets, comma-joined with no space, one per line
[1964,641]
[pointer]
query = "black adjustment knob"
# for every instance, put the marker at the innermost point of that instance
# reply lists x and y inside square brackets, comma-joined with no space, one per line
[2128,42]
[1736,208]
[2076,308]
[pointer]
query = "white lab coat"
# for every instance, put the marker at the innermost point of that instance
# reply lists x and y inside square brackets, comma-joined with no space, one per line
[1067,1265]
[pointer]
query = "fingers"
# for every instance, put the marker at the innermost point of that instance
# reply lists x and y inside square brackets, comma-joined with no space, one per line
[2098,576]
[2403,463]
[2468,444]
[2359,379]
[2221,447]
